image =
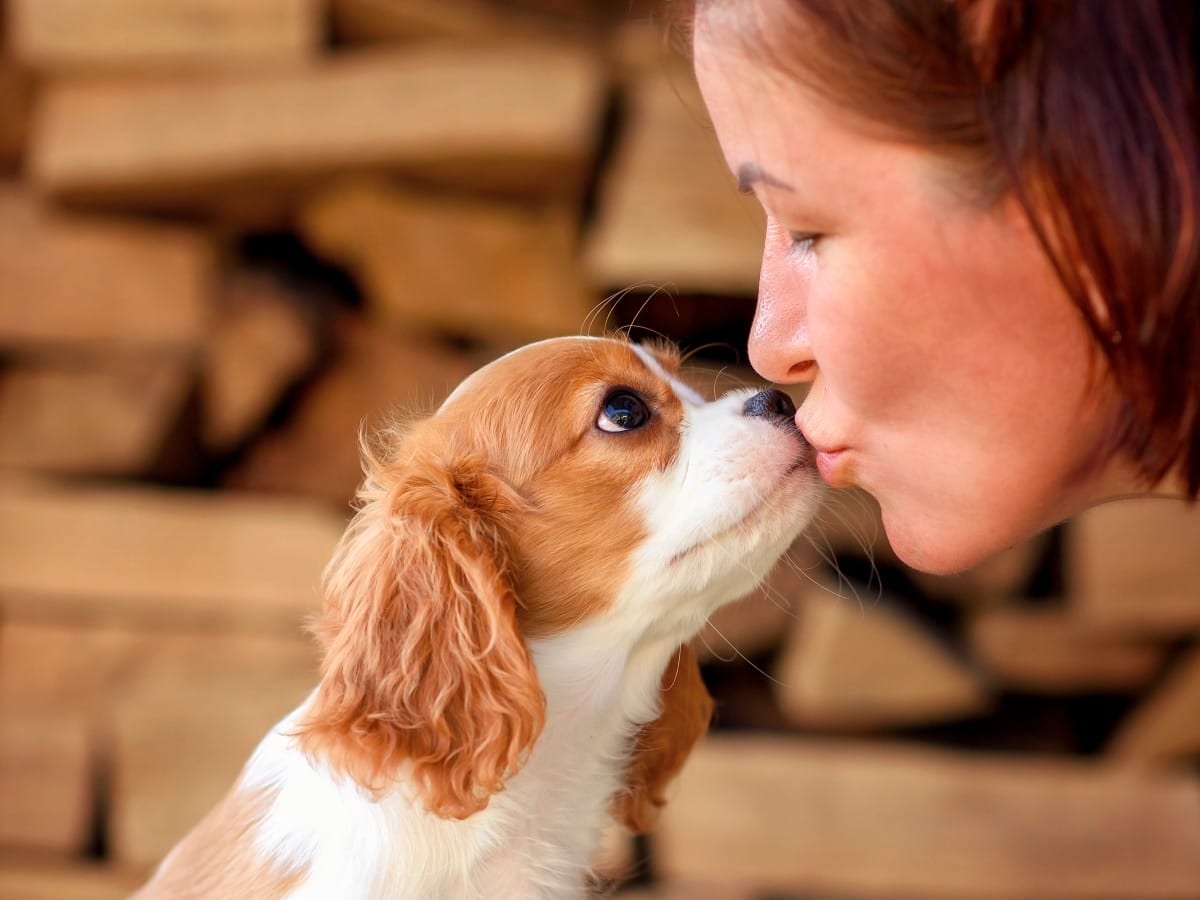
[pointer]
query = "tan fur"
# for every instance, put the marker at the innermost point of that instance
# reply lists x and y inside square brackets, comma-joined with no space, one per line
[507,515]
[478,528]
[424,662]
[662,746]
[218,858]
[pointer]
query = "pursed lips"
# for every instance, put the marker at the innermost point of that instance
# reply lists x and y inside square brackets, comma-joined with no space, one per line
[831,459]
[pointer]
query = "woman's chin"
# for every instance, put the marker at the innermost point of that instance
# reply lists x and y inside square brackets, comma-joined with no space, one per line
[937,548]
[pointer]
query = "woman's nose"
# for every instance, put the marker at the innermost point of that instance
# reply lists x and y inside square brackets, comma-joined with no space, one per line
[780,350]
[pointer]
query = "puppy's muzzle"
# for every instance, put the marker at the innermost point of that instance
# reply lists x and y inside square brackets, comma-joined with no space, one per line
[777,408]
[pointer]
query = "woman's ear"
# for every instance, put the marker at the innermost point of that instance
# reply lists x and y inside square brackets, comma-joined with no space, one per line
[424,665]
[663,745]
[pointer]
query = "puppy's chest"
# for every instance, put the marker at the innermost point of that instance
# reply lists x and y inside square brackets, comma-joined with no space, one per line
[537,840]
[555,821]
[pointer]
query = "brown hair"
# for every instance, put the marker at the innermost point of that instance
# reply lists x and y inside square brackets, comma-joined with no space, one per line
[1086,113]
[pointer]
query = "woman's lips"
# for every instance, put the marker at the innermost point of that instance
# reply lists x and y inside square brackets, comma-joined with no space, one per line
[834,467]
[832,459]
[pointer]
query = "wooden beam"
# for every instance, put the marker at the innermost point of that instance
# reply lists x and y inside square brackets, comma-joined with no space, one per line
[72,35]
[405,20]
[1165,728]
[70,666]
[15,102]
[55,686]
[1132,566]
[851,664]
[376,374]
[147,555]
[1050,651]
[670,215]
[522,281]
[517,118]
[45,779]
[47,878]
[184,724]
[258,346]
[93,415]
[896,821]
[87,281]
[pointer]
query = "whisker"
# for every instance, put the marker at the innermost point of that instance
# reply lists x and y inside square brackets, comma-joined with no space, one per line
[712,650]
[740,655]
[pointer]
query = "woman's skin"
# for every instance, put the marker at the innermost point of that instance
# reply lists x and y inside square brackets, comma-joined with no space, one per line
[952,378]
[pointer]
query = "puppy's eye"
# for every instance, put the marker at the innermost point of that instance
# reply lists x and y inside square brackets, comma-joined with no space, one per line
[623,411]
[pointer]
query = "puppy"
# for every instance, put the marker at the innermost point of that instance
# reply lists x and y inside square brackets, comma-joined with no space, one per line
[505,669]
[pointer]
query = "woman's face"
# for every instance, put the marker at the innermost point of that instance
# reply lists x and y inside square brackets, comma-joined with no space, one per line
[952,377]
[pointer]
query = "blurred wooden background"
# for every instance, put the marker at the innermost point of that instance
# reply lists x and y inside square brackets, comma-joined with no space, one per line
[232,230]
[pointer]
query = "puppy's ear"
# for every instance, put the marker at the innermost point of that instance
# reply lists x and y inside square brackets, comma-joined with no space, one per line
[662,746]
[424,666]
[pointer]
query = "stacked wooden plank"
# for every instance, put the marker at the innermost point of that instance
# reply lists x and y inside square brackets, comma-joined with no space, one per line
[233,233]
[657,228]
[126,35]
[508,119]
[846,819]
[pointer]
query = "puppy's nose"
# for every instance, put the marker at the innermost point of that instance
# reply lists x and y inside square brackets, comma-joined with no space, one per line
[773,405]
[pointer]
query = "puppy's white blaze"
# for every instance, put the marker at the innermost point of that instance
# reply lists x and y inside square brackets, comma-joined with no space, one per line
[683,391]
[722,514]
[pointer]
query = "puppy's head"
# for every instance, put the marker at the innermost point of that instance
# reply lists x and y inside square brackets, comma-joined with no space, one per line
[574,484]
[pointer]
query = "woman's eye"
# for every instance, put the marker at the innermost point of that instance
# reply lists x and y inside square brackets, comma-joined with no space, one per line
[803,241]
[623,411]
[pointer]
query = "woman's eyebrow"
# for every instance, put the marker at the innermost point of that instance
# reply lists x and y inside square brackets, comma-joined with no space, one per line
[749,174]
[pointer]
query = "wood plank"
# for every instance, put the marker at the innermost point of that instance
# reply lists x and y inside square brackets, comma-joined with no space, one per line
[66,665]
[519,118]
[461,20]
[55,687]
[669,212]
[896,821]
[106,415]
[46,878]
[45,779]
[70,35]
[15,102]
[1132,566]
[258,346]
[74,280]
[1166,726]
[186,723]
[147,555]
[1050,651]
[522,281]
[839,669]
[377,374]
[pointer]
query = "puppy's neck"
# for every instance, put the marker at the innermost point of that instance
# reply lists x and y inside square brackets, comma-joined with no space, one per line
[590,678]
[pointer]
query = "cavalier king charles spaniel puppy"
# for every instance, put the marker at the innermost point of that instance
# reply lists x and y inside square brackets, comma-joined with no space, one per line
[505,669]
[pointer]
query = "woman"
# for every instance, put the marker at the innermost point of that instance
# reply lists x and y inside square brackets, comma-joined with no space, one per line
[981,249]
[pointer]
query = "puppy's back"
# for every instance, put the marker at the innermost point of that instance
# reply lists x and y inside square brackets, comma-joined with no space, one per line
[220,857]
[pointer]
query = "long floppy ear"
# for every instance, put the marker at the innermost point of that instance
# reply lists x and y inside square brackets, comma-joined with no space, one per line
[663,745]
[424,665]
